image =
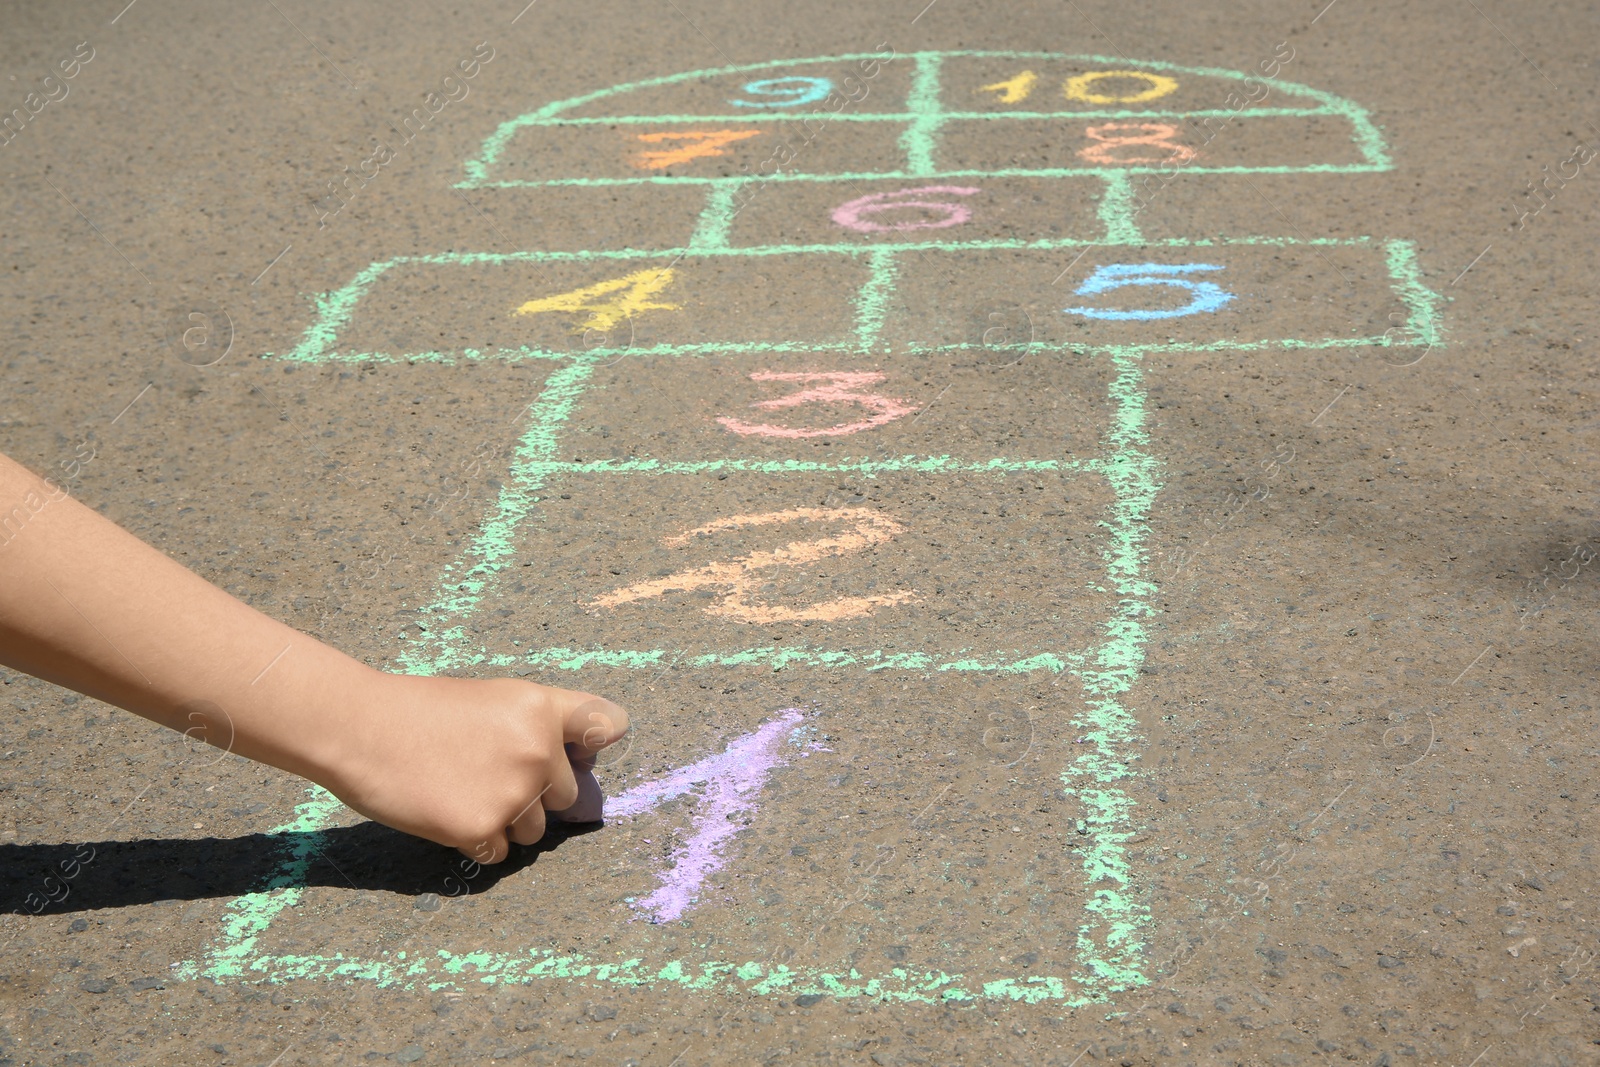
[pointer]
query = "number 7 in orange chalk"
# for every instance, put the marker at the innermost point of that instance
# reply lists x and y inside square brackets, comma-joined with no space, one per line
[700,143]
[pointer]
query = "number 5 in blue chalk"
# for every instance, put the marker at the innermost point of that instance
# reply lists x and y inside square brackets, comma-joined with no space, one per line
[1206,296]
[785,92]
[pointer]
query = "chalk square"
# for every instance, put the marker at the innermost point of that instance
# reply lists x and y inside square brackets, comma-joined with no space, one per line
[953,411]
[866,83]
[911,803]
[664,152]
[922,211]
[1148,143]
[894,568]
[1282,291]
[455,305]
[1069,87]
[588,154]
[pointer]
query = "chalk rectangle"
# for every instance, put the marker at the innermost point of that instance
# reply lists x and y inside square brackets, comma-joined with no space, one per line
[1283,292]
[501,306]
[870,84]
[1069,87]
[883,842]
[899,410]
[921,210]
[897,567]
[1146,143]
[667,152]
[580,154]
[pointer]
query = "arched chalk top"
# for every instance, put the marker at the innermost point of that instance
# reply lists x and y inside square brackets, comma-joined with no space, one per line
[923,103]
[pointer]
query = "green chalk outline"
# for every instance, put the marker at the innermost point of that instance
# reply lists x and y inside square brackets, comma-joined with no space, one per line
[1423,321]
[907,175]
[1109,727]
[716,220]
[920,141]
[691,350]
[467,579]
[778,658]
[944,116]
[248,916]
[1109,950]
[924,120]
[1109,962]
[1117,212]
[873,299]
[443,970]
[918,464]
[333,310]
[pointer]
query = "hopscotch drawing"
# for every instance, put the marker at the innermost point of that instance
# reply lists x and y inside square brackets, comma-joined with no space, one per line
[887,188]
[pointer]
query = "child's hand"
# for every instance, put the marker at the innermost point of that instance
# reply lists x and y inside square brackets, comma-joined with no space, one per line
[471,763]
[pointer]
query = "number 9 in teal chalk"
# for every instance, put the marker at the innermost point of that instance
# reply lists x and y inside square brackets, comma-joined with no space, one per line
[1206,296]
[785,92]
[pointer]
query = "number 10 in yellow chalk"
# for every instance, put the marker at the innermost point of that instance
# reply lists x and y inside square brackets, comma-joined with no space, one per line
[1084,87]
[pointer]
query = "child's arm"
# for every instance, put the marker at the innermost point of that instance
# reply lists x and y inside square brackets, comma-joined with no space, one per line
[463,762]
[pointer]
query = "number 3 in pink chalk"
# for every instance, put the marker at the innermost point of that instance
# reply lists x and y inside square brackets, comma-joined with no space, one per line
[843,387]
[849,214]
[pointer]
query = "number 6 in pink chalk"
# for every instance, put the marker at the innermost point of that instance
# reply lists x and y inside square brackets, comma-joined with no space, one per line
[849,214]
[843,387]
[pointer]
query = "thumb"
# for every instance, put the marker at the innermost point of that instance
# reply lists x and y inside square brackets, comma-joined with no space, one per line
[591,726]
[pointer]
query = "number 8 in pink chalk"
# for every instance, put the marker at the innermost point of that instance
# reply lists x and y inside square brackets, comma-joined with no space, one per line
[849,214]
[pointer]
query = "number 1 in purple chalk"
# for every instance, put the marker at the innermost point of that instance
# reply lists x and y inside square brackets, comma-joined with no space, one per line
[729,785]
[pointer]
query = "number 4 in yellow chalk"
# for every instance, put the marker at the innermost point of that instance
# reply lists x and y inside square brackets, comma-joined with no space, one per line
[633,293]
[1013,91]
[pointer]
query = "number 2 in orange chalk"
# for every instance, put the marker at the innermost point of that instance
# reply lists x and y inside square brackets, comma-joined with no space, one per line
[739,579]
[634,293]
[1013,91]
[697,144]
[1115,135]
[842,387]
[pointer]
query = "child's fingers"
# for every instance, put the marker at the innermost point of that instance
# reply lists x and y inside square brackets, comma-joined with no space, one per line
[489,851]
[561,789]
[590,805]
[529,827]
[592,725]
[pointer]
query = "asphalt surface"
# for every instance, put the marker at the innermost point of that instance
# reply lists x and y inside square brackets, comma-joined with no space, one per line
[1125,601]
